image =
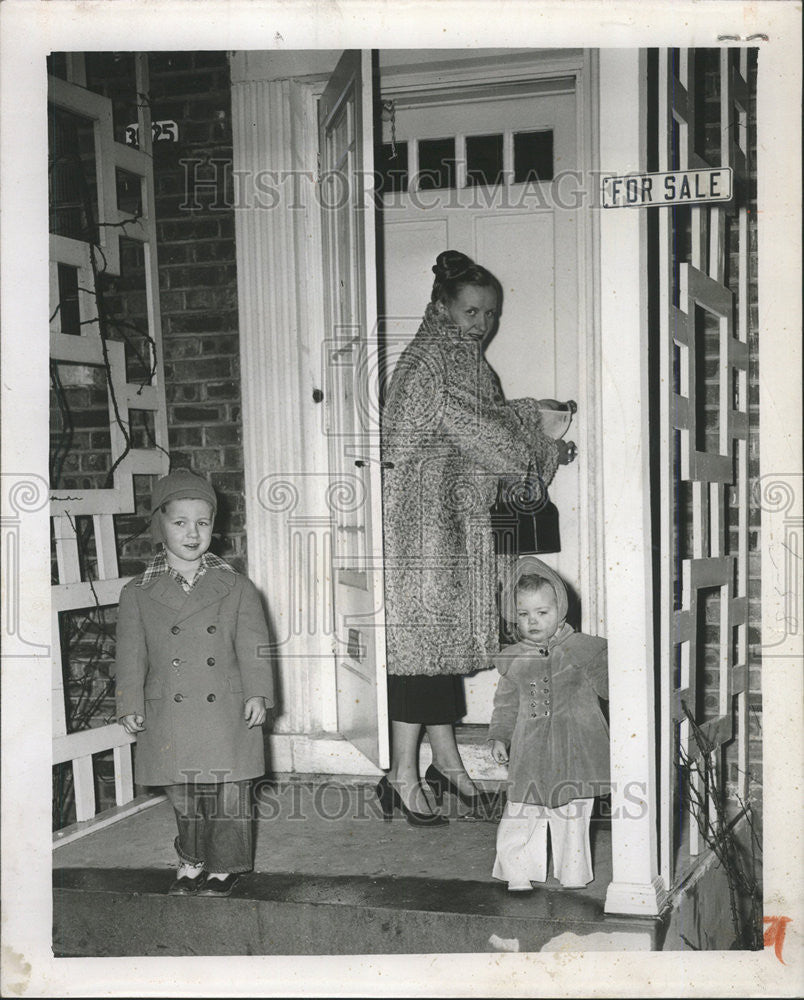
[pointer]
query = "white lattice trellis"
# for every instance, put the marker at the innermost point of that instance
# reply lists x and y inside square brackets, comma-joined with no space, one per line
[89,348]
[706,471]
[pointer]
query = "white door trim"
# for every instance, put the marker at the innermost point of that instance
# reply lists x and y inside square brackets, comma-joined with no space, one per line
[625,505]
[280,302]
[525,66]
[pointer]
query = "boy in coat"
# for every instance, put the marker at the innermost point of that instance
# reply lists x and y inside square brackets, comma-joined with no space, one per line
[547,711]
[194,684]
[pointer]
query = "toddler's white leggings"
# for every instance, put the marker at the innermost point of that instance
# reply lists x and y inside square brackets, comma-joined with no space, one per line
[522,844]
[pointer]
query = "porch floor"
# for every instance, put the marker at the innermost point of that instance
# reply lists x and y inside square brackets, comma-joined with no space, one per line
[330,876]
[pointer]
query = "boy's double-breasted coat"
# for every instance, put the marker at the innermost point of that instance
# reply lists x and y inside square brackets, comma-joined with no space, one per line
[187,663]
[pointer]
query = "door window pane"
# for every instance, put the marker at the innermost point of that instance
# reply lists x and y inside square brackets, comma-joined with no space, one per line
[484,159]
[533,156]
[436,164]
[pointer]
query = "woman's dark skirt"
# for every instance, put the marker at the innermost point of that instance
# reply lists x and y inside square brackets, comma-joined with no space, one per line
[430,700]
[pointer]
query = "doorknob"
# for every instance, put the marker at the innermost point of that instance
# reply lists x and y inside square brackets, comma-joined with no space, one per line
[361,463]
[318,395]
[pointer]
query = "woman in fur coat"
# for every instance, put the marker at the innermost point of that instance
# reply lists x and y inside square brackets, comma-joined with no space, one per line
[448,435]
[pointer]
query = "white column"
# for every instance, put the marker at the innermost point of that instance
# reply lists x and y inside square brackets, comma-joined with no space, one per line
[636,887]
[280,308]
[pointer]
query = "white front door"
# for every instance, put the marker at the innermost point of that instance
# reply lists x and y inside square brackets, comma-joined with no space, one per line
[522,226]
[350,353]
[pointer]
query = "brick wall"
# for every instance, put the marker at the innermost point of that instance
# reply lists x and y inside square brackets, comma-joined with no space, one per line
[198,284]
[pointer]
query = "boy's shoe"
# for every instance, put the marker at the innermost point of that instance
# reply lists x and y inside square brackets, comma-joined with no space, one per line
[520,887]
[186,886]
[218,886]
[189,879]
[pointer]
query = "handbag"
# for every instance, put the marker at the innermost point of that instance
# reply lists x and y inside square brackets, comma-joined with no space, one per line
[524,520]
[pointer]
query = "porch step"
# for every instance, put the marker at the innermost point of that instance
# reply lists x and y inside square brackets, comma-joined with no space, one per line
[125,912]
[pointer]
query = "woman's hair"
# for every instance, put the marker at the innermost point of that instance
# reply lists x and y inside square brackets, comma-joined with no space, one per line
[453,270]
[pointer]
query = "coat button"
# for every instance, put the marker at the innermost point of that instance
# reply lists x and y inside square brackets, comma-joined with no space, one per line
[210,697]
[176,662]
[547,711]
[545,679]
[178,697]
[210,661]
[175,630]
[211,629]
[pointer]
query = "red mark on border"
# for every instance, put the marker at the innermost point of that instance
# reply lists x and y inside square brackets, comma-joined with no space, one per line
[774,935]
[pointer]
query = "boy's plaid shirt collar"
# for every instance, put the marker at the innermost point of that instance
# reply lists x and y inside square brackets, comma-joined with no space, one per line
[159,565]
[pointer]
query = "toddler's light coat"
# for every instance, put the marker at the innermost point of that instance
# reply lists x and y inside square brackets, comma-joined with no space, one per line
[547,708]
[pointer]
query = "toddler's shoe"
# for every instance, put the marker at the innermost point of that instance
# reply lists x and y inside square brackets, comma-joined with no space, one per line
[219,884]
[520,887]
[189,879]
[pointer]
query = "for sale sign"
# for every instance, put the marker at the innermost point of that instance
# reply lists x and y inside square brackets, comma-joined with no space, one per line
[677,187]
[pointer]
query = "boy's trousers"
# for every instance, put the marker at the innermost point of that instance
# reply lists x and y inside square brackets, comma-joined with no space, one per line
[215,824]
[522,843]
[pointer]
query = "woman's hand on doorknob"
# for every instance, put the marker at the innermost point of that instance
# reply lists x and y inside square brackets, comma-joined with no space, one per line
[567,452]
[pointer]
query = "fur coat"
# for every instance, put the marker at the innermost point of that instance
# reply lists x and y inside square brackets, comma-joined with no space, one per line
[448,435]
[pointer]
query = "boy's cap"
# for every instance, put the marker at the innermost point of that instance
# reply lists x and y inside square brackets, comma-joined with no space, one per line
[182,485]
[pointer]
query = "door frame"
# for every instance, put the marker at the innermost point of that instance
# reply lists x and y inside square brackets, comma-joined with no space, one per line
[281,335]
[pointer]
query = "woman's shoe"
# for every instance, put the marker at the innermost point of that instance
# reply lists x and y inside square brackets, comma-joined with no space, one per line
[483,804]
[390,798]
